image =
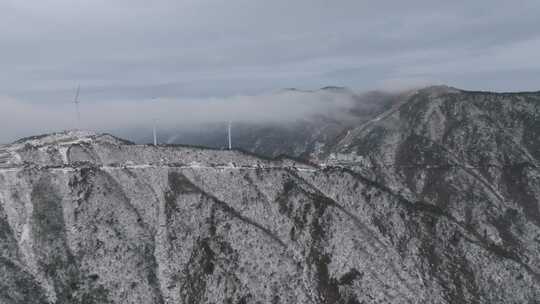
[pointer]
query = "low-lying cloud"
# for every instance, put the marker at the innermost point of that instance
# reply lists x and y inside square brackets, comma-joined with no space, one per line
[23,119]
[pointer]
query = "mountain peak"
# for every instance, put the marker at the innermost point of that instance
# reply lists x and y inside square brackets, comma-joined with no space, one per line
[439,89]
[57,137]
[68,137]
[335,89]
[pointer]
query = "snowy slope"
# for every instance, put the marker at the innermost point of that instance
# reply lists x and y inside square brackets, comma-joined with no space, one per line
[434,201]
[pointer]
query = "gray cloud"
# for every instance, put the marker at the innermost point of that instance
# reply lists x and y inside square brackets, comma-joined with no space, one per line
[200,49]
[277,107]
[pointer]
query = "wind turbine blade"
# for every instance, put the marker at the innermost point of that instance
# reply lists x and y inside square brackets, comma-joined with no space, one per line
[76,101]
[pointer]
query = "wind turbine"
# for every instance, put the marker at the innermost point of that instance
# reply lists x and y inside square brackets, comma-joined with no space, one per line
[76,101]
[229,134]
[155,133]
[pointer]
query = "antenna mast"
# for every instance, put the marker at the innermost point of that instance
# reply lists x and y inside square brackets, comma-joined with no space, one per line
[76,101]
[229,135]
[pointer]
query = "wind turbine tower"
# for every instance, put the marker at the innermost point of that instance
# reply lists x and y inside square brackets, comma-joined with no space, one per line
[229,135]
[155,133]
[76,101]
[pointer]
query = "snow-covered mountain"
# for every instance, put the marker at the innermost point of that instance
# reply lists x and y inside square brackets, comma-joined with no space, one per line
[435,198]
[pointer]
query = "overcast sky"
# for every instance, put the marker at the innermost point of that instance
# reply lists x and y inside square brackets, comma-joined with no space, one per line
[132,50]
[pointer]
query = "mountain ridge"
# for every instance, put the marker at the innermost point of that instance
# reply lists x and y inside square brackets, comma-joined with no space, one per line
[437,201]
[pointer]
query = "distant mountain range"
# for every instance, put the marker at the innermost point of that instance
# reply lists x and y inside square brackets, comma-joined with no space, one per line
[426,196]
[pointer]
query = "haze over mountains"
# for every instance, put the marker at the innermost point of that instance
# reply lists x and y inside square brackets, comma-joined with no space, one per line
[290,122]
[311,134]
[134,118]
[426,196]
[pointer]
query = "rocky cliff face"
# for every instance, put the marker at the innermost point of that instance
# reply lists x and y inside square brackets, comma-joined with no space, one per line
[434,201]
